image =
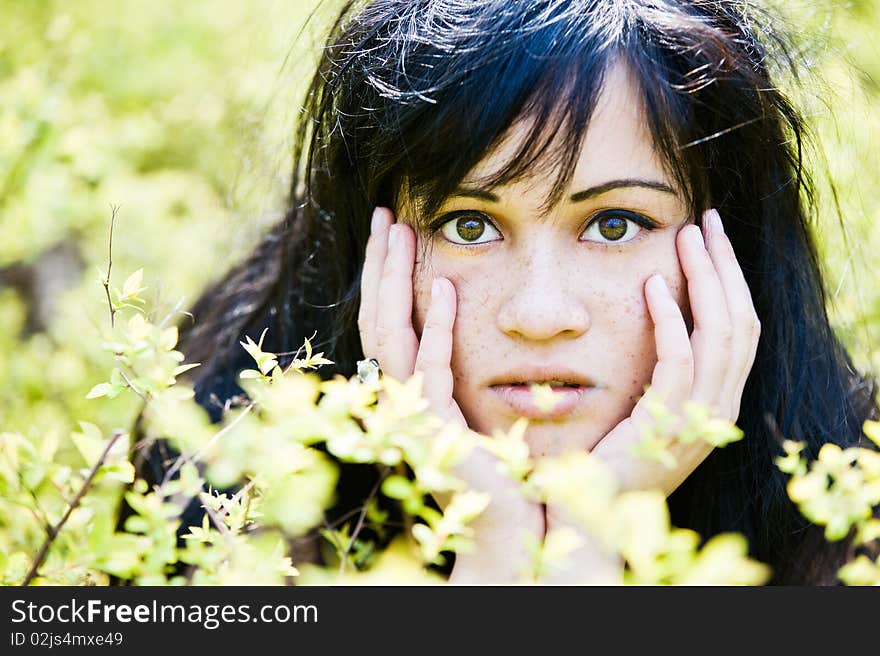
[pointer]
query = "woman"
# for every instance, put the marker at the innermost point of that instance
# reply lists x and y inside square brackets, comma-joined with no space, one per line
[599,194]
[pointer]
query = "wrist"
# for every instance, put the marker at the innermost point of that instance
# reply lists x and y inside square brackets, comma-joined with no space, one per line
[503,540]
[590,563]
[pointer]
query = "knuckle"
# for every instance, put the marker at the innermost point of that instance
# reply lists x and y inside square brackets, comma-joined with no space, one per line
[755,327]
[432,324]
[682,359]
[384,334]
[429,364]
[372,264]
[725,337]
[363,322]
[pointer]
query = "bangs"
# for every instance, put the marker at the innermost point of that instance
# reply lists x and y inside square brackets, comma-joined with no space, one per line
[412,96]
[496,68]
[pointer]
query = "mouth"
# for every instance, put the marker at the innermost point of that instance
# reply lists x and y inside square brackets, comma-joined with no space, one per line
[550,383]
[539,399]
[548,391]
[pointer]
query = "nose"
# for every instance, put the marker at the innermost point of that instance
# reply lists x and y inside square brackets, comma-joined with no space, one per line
[545,302]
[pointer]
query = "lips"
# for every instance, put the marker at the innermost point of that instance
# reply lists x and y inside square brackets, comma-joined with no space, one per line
[568,388]
[549,383]
[523,402]
[553,374]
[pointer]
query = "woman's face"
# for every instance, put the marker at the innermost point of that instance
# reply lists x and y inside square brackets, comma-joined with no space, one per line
[559,294]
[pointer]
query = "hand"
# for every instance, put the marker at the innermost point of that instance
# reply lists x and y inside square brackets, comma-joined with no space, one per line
[709,367]
[387,334]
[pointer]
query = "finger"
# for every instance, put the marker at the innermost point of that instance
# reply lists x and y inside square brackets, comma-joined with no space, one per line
[671,384]
[740,308]
[396,341]
[435,349]
[739,387]
[712,337]
[374,259]
[672,380]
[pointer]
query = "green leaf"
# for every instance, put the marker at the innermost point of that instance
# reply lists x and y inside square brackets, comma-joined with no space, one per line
[132,285]
[168,339]
[397,487]
[119,471]
[99,390]
[183,368]
[250,373]
[89,443]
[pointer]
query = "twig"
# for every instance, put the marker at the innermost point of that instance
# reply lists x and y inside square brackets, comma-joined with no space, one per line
[172,312]
[39,513]
[218,522]
[44,523]
[246,526]
[299,350]
[44,550]
[131,384]
[234,499]
[106,281]
[182,459]
[360,523]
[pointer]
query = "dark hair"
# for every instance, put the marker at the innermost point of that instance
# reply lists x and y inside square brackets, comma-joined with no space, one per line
[410,94]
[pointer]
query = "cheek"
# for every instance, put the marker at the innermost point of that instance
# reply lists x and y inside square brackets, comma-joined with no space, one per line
[627,331]
[475,343]
[677,283]
[473,291]
[421,301]
[429,266]
[662,257]
[424,273]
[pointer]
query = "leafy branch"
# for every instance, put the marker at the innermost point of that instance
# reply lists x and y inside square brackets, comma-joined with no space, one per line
[105,280]
[53,532]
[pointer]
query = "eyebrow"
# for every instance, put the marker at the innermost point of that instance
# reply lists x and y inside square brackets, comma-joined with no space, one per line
[620,184]
[577,197]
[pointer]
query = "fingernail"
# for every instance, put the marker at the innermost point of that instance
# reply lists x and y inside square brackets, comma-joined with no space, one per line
[715,219]
[658,281]
[712,224]
[696,235]
[393,237]
[376,221]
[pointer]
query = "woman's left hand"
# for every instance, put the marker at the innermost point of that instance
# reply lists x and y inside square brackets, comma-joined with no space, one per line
[709,367]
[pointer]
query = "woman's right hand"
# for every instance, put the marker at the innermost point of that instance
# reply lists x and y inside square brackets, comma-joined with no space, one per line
[387,334]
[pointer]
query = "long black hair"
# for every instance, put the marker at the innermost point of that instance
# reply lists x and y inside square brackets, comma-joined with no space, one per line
[410,94]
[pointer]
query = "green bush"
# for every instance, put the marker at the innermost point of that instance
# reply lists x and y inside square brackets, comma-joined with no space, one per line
[177,122]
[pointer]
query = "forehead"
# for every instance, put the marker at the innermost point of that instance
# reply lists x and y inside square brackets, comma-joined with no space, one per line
[617,144]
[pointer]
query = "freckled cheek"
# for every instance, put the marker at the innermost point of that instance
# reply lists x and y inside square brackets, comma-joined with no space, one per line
[665,261]
[624,329]
[476,294]
[628,329]
[468,293]
[678,287]
[421,301]
[424,272]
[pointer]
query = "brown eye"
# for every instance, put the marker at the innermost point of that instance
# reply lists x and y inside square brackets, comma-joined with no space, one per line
[617,226]
[469,228]
[612,227]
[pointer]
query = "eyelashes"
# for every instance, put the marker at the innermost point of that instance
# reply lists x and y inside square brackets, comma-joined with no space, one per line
[614,226]
[465,227]
[468,228]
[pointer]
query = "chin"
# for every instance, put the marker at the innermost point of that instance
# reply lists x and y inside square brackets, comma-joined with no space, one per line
[553,439]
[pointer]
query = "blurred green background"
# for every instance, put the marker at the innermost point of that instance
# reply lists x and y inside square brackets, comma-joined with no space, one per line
[180,114]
